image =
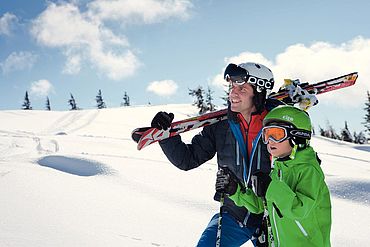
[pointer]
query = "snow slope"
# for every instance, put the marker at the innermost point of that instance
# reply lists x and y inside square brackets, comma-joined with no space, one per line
[76,179]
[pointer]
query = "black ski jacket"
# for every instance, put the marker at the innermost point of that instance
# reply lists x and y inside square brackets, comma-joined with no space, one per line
[219,139]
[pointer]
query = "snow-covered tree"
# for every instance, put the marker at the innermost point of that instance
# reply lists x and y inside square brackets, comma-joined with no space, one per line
[329,132]
[126,100]
[360,138]
[26,103]
[199,99]
[226,97]
[367,115]
[209,100]
[346,134]
[99,101]
[72,103]
[48,108]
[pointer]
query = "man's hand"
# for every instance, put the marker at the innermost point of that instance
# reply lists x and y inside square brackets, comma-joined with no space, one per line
[225,182]
[162,120]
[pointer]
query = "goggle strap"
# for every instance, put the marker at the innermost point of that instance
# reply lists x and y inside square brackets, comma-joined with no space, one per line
[300,133]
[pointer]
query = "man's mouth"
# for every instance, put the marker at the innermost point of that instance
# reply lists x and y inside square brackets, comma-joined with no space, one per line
[235,101]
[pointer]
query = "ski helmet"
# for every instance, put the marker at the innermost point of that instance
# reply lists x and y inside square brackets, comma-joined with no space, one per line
[293,117]
[258,75]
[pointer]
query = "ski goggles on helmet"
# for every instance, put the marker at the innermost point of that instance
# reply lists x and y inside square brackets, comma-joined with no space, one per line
[281,133]
[239,76]
[235,74]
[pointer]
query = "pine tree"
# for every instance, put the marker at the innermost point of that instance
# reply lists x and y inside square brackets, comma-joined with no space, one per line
[322,131]
[99,101]
[126,100]
[48,108]
[210,106]
[226,97]
[360,138]
[199,99]
[26,103]
[346,134]
[329,132]
[332,133]
[72,103]
[367,116]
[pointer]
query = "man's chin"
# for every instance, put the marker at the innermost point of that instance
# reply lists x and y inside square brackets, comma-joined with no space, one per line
[234,108]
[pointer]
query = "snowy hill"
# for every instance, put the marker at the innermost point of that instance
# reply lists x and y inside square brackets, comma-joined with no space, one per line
[76,179]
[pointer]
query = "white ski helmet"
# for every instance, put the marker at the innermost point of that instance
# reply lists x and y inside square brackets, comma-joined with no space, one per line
[258,75]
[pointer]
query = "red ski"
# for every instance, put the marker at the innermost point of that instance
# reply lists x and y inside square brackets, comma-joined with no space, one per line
[146,135]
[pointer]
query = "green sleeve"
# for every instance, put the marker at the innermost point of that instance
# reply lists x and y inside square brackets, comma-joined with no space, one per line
[248,200]
[299,203]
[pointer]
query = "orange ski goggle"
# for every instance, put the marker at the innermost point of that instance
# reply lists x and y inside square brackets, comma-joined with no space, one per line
[280,133]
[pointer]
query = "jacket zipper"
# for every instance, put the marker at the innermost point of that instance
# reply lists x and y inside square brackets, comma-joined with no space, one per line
[259,157]
[237,154]
[280,176]
[276,229]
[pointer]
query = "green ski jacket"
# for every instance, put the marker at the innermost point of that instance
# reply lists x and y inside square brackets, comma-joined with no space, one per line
[298,202]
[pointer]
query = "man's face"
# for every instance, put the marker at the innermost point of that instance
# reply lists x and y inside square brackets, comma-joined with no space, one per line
[241,98]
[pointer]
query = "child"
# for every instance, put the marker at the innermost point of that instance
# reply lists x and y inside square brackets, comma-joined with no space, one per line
[297,197]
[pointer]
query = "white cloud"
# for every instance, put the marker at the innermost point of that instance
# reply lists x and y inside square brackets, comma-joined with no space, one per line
[41,88]
[18,61]
[73,64]
[317,62]
[6,23]
[85,37]
[162,88]
[143,11]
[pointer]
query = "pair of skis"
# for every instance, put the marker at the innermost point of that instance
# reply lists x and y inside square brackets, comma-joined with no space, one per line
[147,135]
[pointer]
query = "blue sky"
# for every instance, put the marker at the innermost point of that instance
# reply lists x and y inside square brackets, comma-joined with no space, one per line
[156,50]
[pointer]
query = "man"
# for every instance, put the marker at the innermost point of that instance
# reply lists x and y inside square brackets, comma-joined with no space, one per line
[238,146]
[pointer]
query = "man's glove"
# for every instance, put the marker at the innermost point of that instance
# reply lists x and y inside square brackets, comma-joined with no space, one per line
[261,182]
[226,182]
[162,120]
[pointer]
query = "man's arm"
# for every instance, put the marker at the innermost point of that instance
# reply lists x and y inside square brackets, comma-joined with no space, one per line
[189,156]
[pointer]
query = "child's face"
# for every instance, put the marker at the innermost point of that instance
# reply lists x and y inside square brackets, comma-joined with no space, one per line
[279,149]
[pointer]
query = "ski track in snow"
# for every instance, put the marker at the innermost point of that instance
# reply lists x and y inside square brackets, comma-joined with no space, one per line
[346,157]
[72,122]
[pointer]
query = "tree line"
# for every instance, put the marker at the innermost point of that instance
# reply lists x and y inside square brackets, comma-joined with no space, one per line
[345,134]
[100,104]
[203,100]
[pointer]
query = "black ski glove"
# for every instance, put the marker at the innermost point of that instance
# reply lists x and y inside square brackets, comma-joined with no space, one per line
[162,120]
[261,182]
[226,182]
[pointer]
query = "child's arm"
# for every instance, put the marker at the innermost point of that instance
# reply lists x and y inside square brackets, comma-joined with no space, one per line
[248,200]
[299,203]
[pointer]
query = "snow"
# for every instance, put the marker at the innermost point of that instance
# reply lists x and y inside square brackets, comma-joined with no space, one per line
[75,178]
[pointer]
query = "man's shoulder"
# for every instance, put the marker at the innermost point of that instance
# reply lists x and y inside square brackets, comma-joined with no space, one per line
[221,124]
[272,103]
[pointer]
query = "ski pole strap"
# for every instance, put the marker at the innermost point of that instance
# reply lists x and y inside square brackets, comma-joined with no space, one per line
[235,129]
[242,145]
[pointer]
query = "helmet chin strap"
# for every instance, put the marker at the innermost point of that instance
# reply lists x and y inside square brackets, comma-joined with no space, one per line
[259,100]
[298,146]
[294,151]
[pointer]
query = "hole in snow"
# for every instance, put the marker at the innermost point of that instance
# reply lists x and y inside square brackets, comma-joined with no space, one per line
[75,166]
